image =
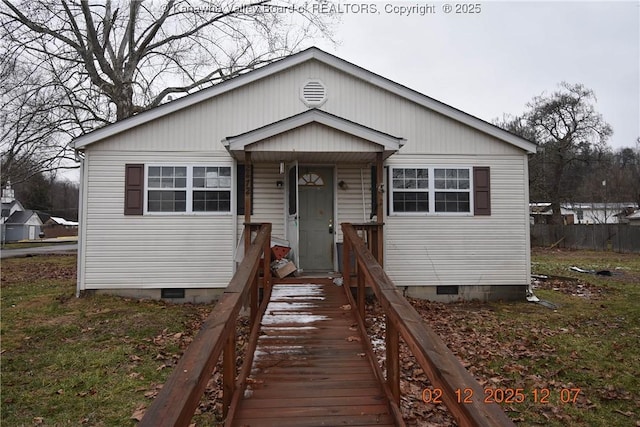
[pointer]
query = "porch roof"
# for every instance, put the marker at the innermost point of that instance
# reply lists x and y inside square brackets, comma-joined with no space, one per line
[295,138]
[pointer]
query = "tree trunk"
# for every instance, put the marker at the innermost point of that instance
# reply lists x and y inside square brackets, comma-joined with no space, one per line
[124,102]
[556,213]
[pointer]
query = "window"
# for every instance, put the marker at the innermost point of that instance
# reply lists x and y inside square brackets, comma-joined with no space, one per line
[188,189]
[212,189]
[452,190]
[167,189]
[429,190]
[410,189]
[311,179]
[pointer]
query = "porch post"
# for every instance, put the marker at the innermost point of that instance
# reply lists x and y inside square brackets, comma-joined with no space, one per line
[379,207]
[248,179]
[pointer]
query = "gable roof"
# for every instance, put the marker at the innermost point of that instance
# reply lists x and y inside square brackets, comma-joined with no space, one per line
[388,143]
[62,221]
[44,217]
[634,216]
[10,205]
[292,61]
[21,217]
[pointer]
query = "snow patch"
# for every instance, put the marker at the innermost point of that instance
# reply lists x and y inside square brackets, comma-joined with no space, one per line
[289,306]
[302,290]
[289,328]
[302,317]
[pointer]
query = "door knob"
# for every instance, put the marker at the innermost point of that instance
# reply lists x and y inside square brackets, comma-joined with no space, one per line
[330,226]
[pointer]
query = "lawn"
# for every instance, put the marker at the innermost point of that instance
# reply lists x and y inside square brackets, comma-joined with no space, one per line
[89,361]
[590,343]
[99,360]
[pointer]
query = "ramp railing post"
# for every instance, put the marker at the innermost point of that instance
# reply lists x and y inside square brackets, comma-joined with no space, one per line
[393,359]
[346,262]
[228,372]
[360,294]
[266,275]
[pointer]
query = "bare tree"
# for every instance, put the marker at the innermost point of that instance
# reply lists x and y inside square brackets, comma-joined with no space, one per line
[33,127]
[102,62]
[571,136]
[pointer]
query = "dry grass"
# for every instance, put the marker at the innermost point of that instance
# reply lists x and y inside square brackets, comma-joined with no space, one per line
[97,360]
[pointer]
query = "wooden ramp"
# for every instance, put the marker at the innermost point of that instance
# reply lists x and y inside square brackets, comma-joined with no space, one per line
[310,366]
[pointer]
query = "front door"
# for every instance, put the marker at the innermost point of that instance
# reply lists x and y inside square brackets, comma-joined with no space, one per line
[316,220]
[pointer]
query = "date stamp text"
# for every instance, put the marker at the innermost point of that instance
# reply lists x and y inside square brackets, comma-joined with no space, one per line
[505,395]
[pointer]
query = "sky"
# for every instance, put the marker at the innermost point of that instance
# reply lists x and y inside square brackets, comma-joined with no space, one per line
[495,60]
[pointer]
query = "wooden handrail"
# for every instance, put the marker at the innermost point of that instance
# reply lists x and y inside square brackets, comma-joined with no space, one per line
[444,370]
[179,397]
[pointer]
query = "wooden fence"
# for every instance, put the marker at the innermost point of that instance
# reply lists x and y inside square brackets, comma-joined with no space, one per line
[621,238]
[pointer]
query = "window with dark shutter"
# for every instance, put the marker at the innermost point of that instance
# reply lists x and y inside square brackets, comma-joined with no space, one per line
[133,189]
[481,191]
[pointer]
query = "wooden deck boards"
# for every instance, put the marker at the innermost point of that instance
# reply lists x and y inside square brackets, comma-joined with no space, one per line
[310,367]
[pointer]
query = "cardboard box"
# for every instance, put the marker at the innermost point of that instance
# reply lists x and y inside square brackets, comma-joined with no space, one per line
[283,268]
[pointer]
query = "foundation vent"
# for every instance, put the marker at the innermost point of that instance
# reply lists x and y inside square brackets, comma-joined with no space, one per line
[313,93]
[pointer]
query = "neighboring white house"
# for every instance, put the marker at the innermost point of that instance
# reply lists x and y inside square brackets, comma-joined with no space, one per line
[18,223]
[634,218]
[161,192]
[583,213]
[541,214]
[599,213]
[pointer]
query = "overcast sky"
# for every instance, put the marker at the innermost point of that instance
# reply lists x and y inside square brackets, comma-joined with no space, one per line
[495,61]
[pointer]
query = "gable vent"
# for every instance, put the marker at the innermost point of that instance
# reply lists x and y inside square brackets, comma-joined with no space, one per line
[313,93]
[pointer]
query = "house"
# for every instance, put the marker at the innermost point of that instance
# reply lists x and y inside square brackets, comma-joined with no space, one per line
[22,225]
[583,213]
[541,214]
[59,227]
[18,223]
[321,142]
[634,218]
[600,213]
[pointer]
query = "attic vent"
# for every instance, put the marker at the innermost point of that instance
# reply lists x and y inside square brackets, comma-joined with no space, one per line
[313,93]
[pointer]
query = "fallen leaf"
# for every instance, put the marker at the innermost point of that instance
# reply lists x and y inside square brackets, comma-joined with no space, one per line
[139,413]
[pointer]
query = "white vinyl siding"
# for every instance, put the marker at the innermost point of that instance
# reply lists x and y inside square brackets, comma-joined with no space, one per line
[190,250]
[201,127]
[354,202]
[268,199]
[150,251]
[464,250]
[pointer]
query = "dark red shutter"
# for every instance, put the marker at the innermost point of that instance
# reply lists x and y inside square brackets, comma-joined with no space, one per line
[133,189]
[481,191]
